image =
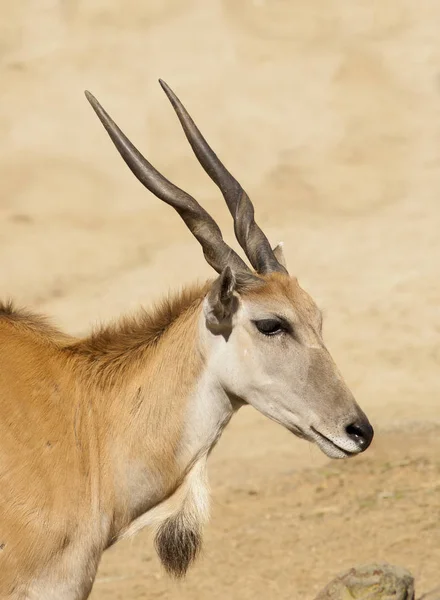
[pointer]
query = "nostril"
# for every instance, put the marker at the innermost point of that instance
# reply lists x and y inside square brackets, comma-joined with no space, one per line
[361,433]
[354,431]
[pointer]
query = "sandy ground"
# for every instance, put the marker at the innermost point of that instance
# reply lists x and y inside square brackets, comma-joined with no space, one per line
[329,113]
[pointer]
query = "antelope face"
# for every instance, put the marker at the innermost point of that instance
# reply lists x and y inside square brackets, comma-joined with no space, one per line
[270,353]
[262,330]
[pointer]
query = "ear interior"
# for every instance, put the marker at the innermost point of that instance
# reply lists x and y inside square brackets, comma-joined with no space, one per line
[221,301]
[279,254]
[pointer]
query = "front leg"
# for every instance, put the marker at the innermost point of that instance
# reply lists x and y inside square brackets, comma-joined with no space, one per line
[70,577]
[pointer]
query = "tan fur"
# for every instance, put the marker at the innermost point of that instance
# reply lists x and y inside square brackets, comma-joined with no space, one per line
[74,413]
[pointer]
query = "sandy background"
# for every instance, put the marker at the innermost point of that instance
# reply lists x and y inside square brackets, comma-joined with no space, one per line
[329,114]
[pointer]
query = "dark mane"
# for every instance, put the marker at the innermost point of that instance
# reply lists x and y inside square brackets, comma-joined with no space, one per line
[33,323]
[110,345]
[129,334]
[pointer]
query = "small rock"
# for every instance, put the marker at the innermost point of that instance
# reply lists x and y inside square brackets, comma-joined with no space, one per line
[370,582]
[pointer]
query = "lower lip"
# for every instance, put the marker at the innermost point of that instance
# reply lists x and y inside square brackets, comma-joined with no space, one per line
[325,439]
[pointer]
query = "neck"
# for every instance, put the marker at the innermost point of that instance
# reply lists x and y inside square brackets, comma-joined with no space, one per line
[160,412]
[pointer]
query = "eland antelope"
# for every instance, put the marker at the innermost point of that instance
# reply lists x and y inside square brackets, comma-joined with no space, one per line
[102,436]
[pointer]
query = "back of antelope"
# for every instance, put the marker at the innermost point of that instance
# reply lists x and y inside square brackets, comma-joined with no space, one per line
[104,435]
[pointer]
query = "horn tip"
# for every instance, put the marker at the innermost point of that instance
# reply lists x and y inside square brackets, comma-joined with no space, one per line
[91,98]
[168,91]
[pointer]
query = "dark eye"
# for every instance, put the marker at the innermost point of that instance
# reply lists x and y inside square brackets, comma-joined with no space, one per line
[270,326]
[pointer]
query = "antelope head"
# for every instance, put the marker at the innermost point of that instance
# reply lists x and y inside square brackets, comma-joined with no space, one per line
[262,333]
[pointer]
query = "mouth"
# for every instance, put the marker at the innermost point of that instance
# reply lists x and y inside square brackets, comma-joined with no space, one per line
[300,433]
[329,447]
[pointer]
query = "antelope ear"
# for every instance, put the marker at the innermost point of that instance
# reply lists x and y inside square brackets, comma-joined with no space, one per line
[279,254]
[221,302]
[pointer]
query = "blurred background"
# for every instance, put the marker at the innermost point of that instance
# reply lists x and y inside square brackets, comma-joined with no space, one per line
[329,115]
